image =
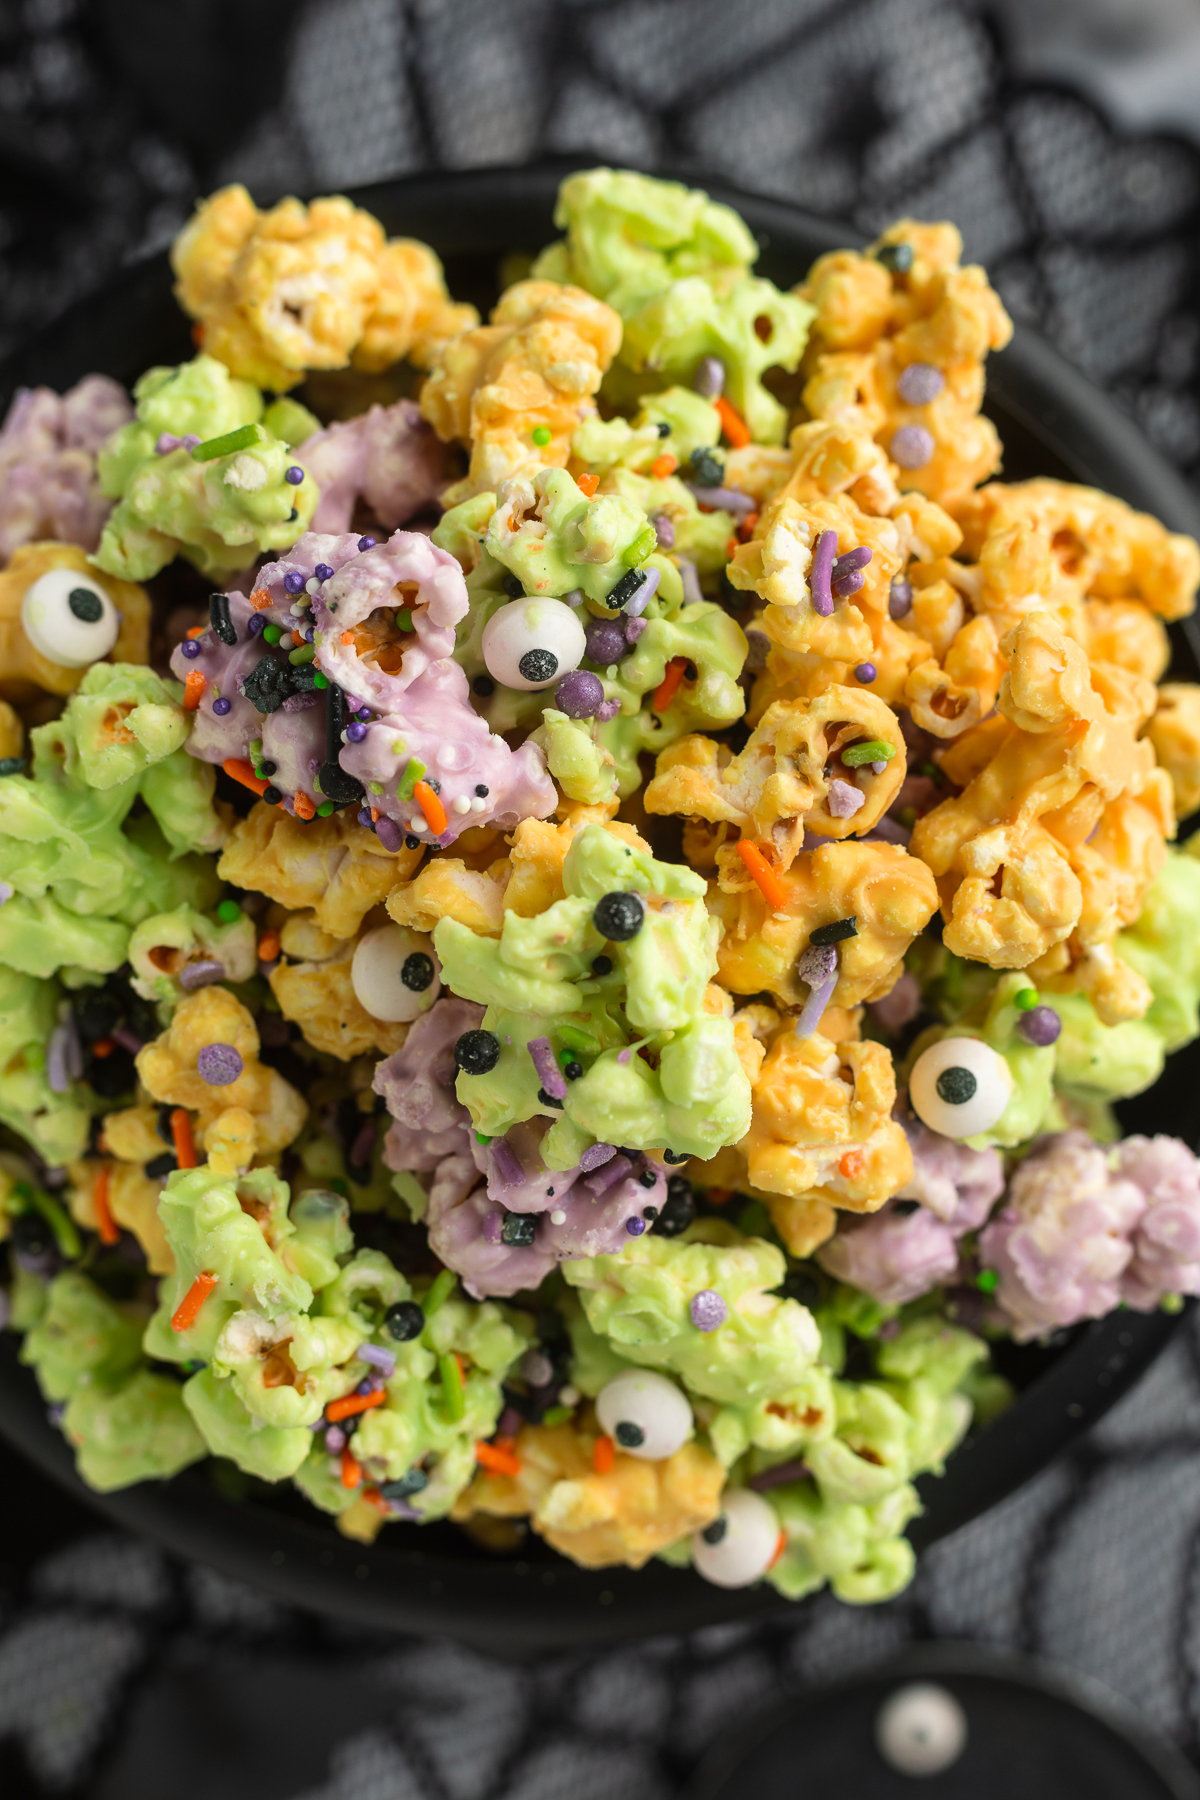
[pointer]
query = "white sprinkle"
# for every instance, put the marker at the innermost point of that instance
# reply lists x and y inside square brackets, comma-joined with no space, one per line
[478,805]
[612,671]
[567,1396]
[418,822]
[558,1216]
[462,804]
[286,641]
[312,585]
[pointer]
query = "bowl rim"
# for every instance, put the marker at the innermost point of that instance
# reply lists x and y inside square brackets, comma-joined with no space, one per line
[522,1607]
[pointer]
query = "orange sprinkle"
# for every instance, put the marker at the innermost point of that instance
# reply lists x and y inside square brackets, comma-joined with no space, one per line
[351,1469]
[431,806]
[103,1047]
[732,423]
[185,1314]
[347,637]
[668,687]
[374,1498]
[374,814]
[268,946]
[349,1404]
[238,769]
[587,484]
[718,1196]
[731,545]
[780,1547]
[181,1135]
[748,527]
[193,690]
[500,1462]
[604,1455]
[260,598]
[196,631]
[765,878]
[106,1225]
[664,465]
[305,809]
[198,336]
[851,1165]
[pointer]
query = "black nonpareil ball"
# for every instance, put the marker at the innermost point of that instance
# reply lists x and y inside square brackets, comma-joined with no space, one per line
[476,1052]
[619,917]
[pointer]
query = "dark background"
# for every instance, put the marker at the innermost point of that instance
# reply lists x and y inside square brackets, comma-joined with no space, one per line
[1063,136]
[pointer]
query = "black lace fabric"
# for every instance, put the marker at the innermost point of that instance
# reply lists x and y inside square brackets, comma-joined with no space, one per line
[124,1673]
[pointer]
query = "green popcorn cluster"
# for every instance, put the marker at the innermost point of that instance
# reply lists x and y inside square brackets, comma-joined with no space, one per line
[55,1124]
[82,870]
[126,1422]
[994,1017]
[193,936]
[220,499]
[539,979]
[676,266]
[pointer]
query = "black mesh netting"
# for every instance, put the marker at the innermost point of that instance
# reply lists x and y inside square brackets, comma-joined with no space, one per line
[125,1674]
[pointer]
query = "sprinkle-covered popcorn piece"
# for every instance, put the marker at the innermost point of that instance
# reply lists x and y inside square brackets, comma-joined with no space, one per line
[332,866]
[48,445]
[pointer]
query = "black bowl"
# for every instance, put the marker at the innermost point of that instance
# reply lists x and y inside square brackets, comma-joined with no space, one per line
[433,1578]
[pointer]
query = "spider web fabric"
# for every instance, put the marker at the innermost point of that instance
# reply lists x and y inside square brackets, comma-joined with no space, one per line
[124,1672]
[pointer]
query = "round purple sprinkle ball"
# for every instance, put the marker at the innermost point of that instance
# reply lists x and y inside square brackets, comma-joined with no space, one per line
[356,732]
[866,673]
[605,641]
[912,447]
[294,476]
[222,706]
[920,383]
[388,833]
[900,598]
[323,572]
[579,694]
[219,1064]
[1042,1026]
[257,625]
[366,543]
[635,1227]
[190,647]
[293,581]
[707,1310]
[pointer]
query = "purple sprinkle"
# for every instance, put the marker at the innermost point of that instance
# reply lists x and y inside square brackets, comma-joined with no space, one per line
[366,543]
[607,1175]
[222,706]
[370,1384]
[128,1040]
[294,476]
[493,1228]
[364,817]
[853,559]
[796,1470]
[302,701]
[255,625]
[846,585]
[877,768]
[644,595]
[709,379]
[819,967]
[822,568]
[900,597]
[664,531]
[576,597]
[920,383]
[359,1155]
[595,1156]
[201,973]
[56,1061]
[219,1064]
[579,694]
[389,833]
[362,713]
[335,1439]
[866,673]
[323,572]
[190,647]
[693,594]
[1041,1026]
[635,1226]
[634,629]
[605,640]
[608,711]
[623,1056]
[507,1164]
[308,634]
[724,499]
[912,447]
[549,1074]
[167,442]
[382,1359]
[844,799]
[293,581]
[188,441]
[707,1310]
[510,1420]
[356,732]
[6,891]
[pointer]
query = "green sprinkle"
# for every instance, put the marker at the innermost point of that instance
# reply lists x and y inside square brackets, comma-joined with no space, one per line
[272,634]
[556,1415]
[260,773]
[319,680]
[325,808]
[244,438]
[374,787]
[541,435]
[1026,1000]
[229,912]
[62,1225]
[413,772]
[987,1280]
[304,654]
[874,750]
[399,746]
[454,1398]
[641,547]
[575,1039]
[439,1293]
[256,746]
[481,1137]
[404,620]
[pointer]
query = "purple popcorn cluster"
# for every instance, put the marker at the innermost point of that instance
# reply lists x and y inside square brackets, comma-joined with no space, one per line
[387,457]
[478,1190]
[48,445]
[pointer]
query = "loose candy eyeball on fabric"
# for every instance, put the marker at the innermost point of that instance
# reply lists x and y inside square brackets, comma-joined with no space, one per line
[644,1414]
[395,974]
[69,618]
[739,1546]
[960,1087]
[530,643]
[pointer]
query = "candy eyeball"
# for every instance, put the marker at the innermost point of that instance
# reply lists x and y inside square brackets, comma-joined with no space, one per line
[644,1414]
[960,1086]
[69,618]
[921,1729]
[740,1544]
[395,974]
[530,643]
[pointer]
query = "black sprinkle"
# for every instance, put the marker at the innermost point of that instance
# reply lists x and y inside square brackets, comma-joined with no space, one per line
[11,765]
[707,468]
[219,619]
[411,842]
[648,1178]
[572,1070]
[835,932]
[518,1230]
[483,685]
[626,588]
[673,1156]
[481,791]
[161,1165]
[619,917]
[896,257]
[476,1052]
[664,430]
[272,795]
[511,586]
[342,789]
[549,1100]
[268,684]
[603,965]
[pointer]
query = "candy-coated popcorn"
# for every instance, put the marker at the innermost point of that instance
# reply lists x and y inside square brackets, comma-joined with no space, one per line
[132,1199]
[54,665]
[207,1061]
[313,984]
[54,1123]
[219,512]
[1126,633]
[412,315]
[626,1515]
[534,369]
[173,952]
[285,1370]
[388,457]
[332,866]
[1174,731]
[83,1337]
[48,445]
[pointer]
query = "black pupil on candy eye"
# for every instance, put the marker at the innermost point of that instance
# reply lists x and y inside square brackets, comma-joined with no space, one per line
[87,607]
[712,1534]
[417,971]
[956,1086]
[538,665]
[629,1435]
